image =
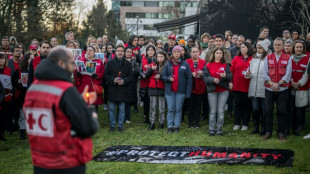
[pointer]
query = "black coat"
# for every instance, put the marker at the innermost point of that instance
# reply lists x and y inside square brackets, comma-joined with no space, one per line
[132,87]
[2,92]
[118,93]
[18,87]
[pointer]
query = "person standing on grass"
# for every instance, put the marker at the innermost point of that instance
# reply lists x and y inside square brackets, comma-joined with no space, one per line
[147,60]
[217,76]
[20,92]
[94,81]
[58,122]
[239,67]
[198,88]
[157,90]
[257,88]
[118,75]
[277,75]
[178,86]
[5,108]
[132,87]
[300,99]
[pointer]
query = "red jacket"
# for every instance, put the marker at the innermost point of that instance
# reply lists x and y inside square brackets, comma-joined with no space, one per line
[144,83]
[198,85]
[299,69]
[8,94]
[215,70]
[49,129]
[156,83]
[276,70]
[84,79]
[238,68]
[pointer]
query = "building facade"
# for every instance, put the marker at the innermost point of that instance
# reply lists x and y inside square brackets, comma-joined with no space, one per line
[139,16]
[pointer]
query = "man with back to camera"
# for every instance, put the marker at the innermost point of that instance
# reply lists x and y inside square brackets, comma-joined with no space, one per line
[58,121]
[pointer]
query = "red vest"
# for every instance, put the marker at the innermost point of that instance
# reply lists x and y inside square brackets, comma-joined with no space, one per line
[276,70]
[199,86]
[144,83]
[156,83]
[49,129]
[35,63]
[299,69]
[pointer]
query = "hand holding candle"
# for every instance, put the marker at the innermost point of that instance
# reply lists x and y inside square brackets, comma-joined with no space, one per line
[89,97]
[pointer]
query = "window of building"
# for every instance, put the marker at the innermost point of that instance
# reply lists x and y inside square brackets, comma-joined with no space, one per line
[148,27]
[151,3]
[151,15]
[166,4]
[126,3]
[134,15]
[165,15]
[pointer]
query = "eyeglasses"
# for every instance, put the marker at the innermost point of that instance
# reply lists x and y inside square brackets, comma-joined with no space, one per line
[2,57]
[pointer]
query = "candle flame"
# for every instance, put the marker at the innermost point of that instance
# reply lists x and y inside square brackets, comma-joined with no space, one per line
[87,95]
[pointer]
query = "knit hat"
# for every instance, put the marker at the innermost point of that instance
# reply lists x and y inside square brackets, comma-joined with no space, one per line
[265,44]
[33,47]
[182,41]
[176,48]
[119,42]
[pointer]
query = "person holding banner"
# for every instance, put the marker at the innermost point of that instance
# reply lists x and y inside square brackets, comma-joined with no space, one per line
[19,81]
[92,79]
[59,123]
[239,67]
[5,110]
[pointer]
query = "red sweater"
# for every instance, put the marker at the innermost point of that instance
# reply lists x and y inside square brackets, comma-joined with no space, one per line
[175,75]
[239,66]
[199,86]
[215,70]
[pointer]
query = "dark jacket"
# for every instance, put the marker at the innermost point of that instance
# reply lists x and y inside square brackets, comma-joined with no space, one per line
[31,71]
[2,92]
[132,87]
[71,103]
[224,81]
[234,51]
[18,87]
[11,66]
[185,78]
[118,93]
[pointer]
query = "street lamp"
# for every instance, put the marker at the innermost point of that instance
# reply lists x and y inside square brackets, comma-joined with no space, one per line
[137,24]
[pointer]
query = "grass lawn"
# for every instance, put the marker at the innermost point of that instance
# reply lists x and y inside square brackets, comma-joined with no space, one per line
[15,155]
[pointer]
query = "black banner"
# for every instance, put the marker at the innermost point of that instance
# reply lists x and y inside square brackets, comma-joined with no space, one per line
[197,155]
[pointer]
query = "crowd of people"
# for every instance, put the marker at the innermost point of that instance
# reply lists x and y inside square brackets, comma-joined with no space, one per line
[200,77]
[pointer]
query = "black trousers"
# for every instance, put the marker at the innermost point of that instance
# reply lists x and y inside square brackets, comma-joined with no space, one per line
[280,99]
[205,105]
[127,111]
[5,117]
[242,108]
[75,170]
[146,105]
[194,108]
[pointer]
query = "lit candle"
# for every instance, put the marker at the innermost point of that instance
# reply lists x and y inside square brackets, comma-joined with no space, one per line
[119,74]
[87,96]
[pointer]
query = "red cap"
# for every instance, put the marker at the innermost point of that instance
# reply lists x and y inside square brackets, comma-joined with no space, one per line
[33,47]
[171,37]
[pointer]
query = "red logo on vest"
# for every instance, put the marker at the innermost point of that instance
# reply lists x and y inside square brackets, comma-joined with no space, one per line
[39,122]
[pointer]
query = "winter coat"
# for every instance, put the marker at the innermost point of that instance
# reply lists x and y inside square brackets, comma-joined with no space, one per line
[257,84]
[118,68]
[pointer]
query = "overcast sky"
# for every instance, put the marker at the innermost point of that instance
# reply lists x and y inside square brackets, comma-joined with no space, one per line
[88,6]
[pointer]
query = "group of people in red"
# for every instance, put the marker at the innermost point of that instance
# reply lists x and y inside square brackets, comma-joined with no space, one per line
[42,92]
